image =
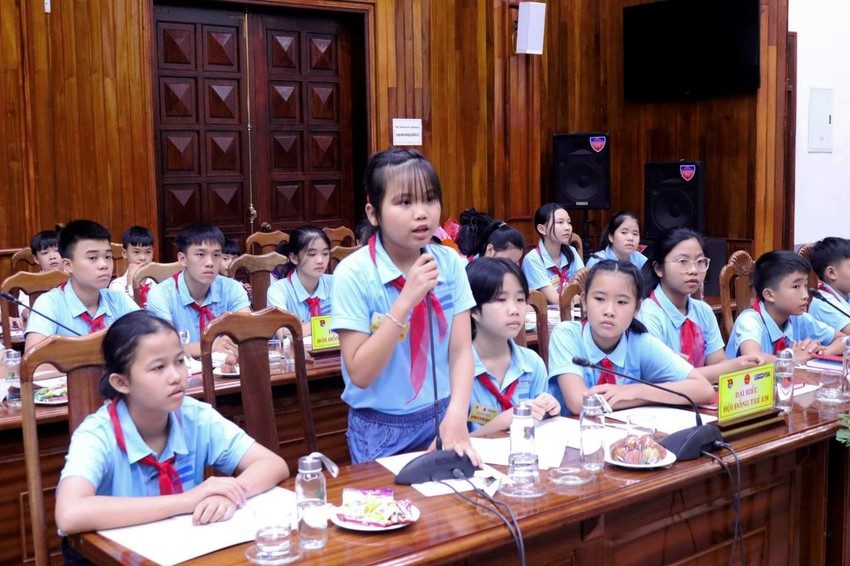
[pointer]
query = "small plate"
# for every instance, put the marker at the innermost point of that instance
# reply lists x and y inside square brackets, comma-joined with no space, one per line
[665,461]
[218,373]
[52,401]
[254,556]
[350,525]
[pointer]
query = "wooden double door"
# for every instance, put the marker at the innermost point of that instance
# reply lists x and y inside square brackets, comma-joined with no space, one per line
[253,119]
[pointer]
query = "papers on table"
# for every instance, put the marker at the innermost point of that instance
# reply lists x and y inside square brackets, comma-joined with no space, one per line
[805,388]
[429,489]
[667,419]
[826,363]
[175,540]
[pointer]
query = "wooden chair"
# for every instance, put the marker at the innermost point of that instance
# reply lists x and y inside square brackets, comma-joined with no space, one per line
[265,242]
[119,264]
[340,236]
[23,260]
[574,288]
[159,272]
[259,269]
[81,359]
[575,241]
[339,253]
[251,332]
[806,251]
[537,301]
[34,285]
[736,275]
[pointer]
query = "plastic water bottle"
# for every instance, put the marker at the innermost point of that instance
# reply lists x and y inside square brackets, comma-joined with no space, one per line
[592,423]
[13,379]
[312,498]
[523,469]
[783,376]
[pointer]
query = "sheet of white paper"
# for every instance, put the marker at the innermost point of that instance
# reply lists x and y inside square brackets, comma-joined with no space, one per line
[807,388]
[667,419]
[429,489]
[176,540]
[820,363]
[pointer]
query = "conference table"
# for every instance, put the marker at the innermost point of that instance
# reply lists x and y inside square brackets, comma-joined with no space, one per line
[795,495]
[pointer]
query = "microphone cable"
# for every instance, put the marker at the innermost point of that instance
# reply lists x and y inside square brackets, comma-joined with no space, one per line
[518,537]
[735,483]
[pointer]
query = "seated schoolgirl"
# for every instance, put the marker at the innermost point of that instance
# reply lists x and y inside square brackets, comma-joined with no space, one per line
[620,240]
[613,338]
[554,262]
[141,458]
[304,288]
[482,236]
[688,326]
[505,374]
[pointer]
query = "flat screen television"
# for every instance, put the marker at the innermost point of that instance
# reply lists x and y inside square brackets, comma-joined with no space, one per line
[690,49]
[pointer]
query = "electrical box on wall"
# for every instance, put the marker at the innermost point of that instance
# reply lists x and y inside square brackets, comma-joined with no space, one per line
[820,120]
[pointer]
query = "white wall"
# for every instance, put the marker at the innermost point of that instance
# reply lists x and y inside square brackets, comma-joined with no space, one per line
[822,203]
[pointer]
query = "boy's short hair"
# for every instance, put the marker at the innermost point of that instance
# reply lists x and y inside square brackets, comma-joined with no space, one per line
[137,236]
[231,247]
[774,266]
[829,251]
[77,230]
[44,240]
[197,234]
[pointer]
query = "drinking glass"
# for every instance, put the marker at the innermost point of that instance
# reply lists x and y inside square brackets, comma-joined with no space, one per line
[273,539]
[641,424]
[830,386]
[275,353]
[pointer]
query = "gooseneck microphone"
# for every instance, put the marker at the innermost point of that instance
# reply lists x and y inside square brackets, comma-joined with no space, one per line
[439,464]
[816,294]
[9,297]
[686,444]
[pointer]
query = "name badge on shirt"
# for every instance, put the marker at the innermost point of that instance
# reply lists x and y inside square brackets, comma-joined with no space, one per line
[555,281]
[378,319]
[481,415]
[322,337]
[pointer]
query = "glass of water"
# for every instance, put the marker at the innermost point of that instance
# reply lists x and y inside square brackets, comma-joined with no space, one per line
[273,539]
[275,353]
[830,390]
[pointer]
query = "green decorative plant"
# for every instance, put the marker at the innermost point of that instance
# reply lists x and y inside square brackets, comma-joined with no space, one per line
[843,434]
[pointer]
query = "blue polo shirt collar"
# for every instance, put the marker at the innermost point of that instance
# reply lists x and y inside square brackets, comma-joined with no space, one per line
[519,366]
[387,270]
[547,259]
[213,293]
[75,305]
[301,292]
[595,355]
[773,330]
[673,313]
[136,447]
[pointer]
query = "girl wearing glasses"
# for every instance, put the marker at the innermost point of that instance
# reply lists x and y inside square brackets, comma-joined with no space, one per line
[676,271]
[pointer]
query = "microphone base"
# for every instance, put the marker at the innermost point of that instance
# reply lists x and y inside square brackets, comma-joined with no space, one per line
[435,465]
[688,444]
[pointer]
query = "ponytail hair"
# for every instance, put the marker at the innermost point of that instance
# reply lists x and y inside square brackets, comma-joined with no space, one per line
[299,241]
[473,228]
[661,249]
[626,268]
[546,214]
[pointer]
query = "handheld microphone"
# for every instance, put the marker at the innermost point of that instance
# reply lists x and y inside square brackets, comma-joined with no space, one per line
[816,294]
[9,297]
[686,444]
[439,464]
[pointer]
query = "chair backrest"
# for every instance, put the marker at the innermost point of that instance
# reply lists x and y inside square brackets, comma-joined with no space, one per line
[157,271]
[265,242]
[339,253]
[340,236]
[573,289]
[251,332]
[575,241]
[33,284]
[736,283]
[119,264]
[541,310]
[82,360]
[23,260]
[259,269]
[806,251]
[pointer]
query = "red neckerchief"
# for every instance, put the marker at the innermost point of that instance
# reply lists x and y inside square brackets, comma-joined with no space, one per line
[489,384]
[313,302]
[563,273]
[607,377]
[779,344]
[205,315]
[95,323]
[169,480]
[691,338]
[144,289]
[825,289]
[420,338]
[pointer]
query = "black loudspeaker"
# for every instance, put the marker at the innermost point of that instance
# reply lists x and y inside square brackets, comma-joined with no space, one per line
[715,250]
[674,196]
[582,170]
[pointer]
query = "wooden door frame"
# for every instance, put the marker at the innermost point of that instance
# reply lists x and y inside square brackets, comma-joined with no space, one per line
[363,8]
[790,124]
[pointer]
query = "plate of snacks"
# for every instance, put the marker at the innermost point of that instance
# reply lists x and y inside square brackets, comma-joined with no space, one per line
[639,452]
[373,510]
[230,367]
[51,392]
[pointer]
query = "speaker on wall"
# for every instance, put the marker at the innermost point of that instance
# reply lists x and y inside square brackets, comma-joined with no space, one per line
[582,170]
[674,196]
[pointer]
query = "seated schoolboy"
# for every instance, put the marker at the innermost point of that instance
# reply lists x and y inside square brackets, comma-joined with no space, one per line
[45,250]
[83,303]
[778,317]
[137,244]
[143,456]
[830,259]
[196,295]
[229,251]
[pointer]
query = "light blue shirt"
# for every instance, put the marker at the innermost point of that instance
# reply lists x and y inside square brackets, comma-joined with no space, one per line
[527,367]
[637,258]
[362,289]
[63,304]
[751,325]
[642,355]
[224,295]
[199,437]
[289,294]
[536,264]
[824,311]
[665,321]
